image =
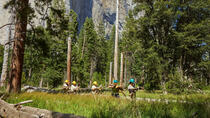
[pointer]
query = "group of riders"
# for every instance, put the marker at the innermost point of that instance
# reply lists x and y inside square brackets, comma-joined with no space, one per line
[95,89]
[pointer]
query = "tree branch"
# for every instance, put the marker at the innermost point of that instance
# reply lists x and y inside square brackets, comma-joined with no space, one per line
[9,42]
[24,102]
[6,25]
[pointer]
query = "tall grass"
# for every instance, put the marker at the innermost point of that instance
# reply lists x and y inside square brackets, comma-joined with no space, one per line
[180,97]
[108,107]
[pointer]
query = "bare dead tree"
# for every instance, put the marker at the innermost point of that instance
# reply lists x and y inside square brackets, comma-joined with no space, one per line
[116,43]
[7,46]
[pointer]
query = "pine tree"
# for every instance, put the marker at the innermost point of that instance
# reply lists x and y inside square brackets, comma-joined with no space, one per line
[110,54]
[22,11]
[169,36]
[47,47]
[36,52]
[88,44]
[155,33]
[102,55]
[192,31]
[59,28]
[132,47]
[73,27]
[101,49]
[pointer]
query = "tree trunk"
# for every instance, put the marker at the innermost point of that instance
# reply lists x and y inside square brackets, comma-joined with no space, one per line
[135,79]
[14,84]
[116,44]
[77,78]
[41,83]
[208,79]
[164,84]
[110,74]
[181,69]
[48,85]
[91,72]
[29,73]
[142,76]
[105,80]
[7,47]
[125,73]
[201,78]
[83,45]
[121,71]
[5,61]
[69,60]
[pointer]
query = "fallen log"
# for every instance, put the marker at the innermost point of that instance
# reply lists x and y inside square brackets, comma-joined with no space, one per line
[10,111]
[24,102]
[48,114]
[31,89]
[2,96]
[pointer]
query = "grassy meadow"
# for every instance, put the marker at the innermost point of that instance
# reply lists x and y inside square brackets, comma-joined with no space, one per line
[108,107]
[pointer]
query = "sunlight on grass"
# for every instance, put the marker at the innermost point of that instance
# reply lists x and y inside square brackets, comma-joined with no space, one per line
[109,107]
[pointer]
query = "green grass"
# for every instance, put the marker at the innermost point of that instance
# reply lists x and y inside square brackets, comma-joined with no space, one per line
[108,107]
[180,97]
[189,97]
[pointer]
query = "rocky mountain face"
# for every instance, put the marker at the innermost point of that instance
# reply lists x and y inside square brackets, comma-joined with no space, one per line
[99,10]
[4,19]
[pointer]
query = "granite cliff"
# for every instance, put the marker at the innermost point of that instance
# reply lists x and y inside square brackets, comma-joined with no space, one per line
[99,10]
